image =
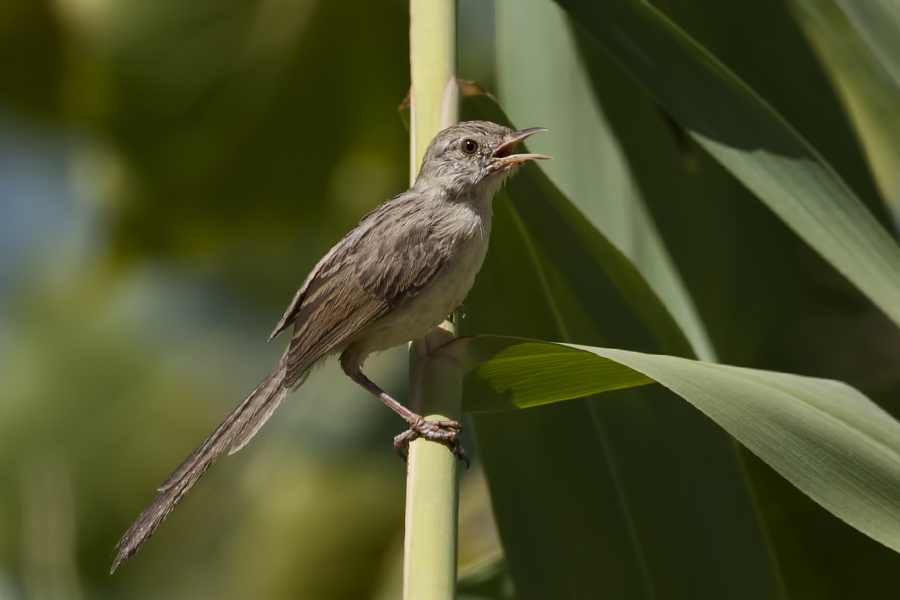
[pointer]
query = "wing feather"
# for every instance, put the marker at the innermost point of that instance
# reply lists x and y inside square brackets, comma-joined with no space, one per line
[388,259]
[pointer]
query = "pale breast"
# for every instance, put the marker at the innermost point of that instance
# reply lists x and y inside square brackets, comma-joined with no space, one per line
[421,313]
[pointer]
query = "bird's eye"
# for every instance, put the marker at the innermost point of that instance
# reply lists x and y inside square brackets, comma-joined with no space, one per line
[470,146]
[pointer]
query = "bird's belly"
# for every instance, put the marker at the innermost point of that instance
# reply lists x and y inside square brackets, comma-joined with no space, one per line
[420,314]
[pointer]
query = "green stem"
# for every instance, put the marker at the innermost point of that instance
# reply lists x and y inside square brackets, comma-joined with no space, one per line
[432,491]
[432,60]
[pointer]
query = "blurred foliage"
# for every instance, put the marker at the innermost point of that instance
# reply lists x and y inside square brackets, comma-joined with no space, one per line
[213,117]
[169,172]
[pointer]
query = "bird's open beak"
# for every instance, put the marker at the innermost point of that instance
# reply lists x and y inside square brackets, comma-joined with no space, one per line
[504,153]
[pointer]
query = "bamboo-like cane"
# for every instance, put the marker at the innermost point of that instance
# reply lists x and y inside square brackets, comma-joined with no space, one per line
[432,491]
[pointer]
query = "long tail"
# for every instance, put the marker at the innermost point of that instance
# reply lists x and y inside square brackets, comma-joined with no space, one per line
[235,431]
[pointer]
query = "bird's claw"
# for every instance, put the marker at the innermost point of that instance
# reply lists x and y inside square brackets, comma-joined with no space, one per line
[438,431]
[462,313]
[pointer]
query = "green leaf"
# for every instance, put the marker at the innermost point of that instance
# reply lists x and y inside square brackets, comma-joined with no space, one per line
[634,493]
[871,97]
[546,84]
[878,22]
[782,69]
[825,437]
[751,140]
[604,280]
[574,375]
[757,285]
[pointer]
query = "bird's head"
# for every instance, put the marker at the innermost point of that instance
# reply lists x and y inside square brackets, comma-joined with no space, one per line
[473,158]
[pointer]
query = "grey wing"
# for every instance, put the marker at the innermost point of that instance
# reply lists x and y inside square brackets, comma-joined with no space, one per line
[335,257]
[404,265]
[391,261]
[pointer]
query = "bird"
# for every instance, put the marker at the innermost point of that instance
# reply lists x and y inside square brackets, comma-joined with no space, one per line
[406,265]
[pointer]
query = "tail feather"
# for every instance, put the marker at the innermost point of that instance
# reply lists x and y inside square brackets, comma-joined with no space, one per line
[258,419]
[235,431]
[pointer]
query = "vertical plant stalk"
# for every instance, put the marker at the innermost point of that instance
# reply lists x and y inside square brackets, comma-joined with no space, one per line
[432,60]
[432,491]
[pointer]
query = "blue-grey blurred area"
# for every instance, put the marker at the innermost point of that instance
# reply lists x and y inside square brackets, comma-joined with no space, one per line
[169,172]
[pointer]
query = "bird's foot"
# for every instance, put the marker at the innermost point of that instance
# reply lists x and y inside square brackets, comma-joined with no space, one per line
[438,431]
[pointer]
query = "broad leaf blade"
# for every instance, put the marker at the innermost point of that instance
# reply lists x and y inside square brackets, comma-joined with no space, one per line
[878,22]
[633,493]
[626,495]
[870,97]
[824,436]
[781,68]
[546,83]
[602,278]
[545,373]
[751,140]
[766,298]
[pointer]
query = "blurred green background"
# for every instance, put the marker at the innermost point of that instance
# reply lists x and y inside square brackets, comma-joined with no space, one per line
[169,172]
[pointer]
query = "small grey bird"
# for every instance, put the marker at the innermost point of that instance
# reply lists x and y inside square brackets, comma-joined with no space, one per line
[406,266]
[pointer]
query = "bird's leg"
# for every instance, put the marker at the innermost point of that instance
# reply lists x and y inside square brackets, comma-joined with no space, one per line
[441,431]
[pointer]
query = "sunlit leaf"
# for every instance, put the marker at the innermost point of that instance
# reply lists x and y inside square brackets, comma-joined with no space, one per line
[878,22]
[823,436]
[871,97]
[747,136]
[548,84]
